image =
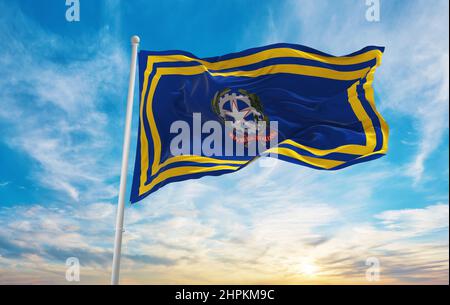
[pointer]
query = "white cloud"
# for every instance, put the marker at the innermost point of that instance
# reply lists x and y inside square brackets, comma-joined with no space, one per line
[97,211]
[264,236]
[245,238]
[417,221]
[56,111]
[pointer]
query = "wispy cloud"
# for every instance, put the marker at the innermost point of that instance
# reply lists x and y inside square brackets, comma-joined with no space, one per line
[416,221]
[56,109]
[266,233]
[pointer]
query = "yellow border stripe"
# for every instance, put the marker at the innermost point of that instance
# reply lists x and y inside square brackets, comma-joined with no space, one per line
[183,170]
[363,117]
[274,69]
[322,163]
[268,54]
[200,159]
[370,96]
[258,57]
[247,60]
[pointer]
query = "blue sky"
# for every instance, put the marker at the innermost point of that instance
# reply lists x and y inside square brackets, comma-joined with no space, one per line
[62,95]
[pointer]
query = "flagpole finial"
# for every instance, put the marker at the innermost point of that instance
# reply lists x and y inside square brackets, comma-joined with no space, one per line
[135,39]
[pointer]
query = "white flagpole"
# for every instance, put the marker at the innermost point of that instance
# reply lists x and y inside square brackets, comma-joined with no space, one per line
[123,173]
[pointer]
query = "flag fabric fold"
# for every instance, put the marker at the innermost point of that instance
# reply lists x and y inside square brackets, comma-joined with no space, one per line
[323,107]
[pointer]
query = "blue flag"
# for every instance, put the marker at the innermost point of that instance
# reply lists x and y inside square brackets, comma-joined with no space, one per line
[212,116]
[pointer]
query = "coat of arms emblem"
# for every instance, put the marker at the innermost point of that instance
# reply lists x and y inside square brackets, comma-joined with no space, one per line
[243,110]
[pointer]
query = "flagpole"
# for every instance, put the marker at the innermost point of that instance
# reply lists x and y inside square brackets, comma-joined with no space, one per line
[123,173]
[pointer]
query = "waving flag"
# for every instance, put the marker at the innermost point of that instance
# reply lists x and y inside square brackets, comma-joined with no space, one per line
[203,116]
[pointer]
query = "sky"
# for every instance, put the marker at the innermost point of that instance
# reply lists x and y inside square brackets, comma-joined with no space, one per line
[63,88]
